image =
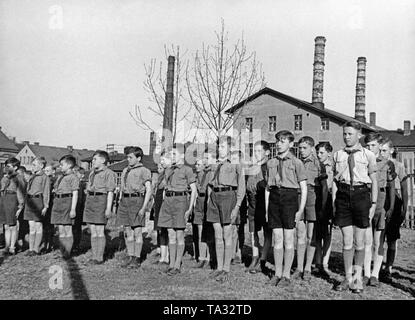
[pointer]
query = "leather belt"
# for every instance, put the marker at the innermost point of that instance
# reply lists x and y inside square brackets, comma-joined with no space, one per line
[34,195]
[131,195]
[345,186]
[222,189]
[202,194]
[176,193]
[92,193]
[382,189]
[63,195]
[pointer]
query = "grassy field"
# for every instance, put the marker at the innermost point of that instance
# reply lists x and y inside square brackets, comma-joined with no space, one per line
[24,277]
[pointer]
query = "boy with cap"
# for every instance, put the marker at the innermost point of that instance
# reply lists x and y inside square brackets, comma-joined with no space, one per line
[286,174]
[354,201]
[36,204]
[100,192]
[176,207]
[135,193]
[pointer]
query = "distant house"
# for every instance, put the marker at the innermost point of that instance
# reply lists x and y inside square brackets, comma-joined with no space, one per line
[8,149]
[28,152]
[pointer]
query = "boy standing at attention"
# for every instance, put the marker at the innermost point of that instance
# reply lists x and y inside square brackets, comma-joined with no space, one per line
[286,174]
[176,207]
[64,204]
[226,193]
[135,193]
[48,228]
[100,192]
[354,201]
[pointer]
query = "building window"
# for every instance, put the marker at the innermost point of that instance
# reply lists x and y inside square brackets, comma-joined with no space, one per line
[248,124]
[249,150]
[273,123]
[273,150]
[325,124]
[298,122]
[294,149]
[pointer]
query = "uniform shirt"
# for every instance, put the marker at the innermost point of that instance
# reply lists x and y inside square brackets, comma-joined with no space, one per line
[66,183]
[312,169]
[386,171]
[39,184]
[401,174]
[328,170]
[202,179]
[14,183]
[104,181]
[257,179]
[179,177]
[227,174]
[365,164]
[136,178]
[293,172]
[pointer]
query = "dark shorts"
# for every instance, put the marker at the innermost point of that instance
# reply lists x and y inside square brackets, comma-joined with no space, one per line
[378,220]
[127,214]
[352,207]
[323,226]
[94,212]
[33,209]
[309,213]
[8,208]
[61,210]
[172,212]
[199,211]
[243,212]
[393,225]
[220,206]
[282,207]
[256,211]
[158,200]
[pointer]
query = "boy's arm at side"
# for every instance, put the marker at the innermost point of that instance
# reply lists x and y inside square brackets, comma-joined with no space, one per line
[405,196]
[192,200]
[72,214]
[266,203]
[391,195]
[374,192]
[324,194]
[46,195]
[110,198]
[146,198]
[303,187]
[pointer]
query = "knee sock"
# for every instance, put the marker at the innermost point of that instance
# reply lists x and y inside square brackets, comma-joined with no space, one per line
[179,256]
[219,255]
[202,251]
[100,248]
[31,241]
[94,249]
[137,248]
[300,256]
[310,255]
[288,261]
[377,264]
[130,244]
[38,241]
[62,244]
[228,258]
[390,256]
[172,254]
[69,244]
[359,257]
[367,260]
[278,261]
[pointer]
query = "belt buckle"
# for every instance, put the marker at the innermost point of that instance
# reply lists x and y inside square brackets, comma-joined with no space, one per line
[351,188]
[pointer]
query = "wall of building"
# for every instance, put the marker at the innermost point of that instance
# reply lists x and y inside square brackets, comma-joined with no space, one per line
[26,156]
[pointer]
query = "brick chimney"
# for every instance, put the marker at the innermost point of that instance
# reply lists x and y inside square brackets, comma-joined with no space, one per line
[359,111]
[70,148]
[25,142]
[153,143]
[406,128]
[372,119]
[318,72]
[36,143]
[168,103]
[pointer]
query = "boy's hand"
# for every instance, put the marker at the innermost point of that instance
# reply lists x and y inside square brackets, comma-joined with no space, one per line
[298,215]
[234,214]
[108,213]
[72,214]
[372,211]
[187,215]
[142,212]
[18,212]
[388,215]
[44,211]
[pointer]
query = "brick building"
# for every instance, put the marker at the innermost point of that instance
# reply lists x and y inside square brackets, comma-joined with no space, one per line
[8,149]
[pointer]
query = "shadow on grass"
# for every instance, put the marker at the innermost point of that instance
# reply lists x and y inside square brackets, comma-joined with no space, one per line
[79,291]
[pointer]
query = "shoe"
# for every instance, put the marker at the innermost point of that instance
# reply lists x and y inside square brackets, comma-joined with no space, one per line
[274,281]
[173,272]
[12,252]
[374,282]
[222,277]
[214,273]
[324,273]
[343,286]
[99,261]
[95,261]
[236,260]
[357,286]
[264,269]
[127,262]
[365,281]
[387,277]
[253,267]
[284,283]
[307,275]
[135,263]
[30,253]
[296,275]
[200,264]
[168,270]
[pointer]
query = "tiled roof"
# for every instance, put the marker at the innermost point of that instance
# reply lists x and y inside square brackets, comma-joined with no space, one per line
[398,138]
[147,161]
[6,144]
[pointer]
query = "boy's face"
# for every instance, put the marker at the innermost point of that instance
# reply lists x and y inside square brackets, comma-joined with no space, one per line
[176,156]
[65,166]
[132,159]
[207,159]
[322,154]
[386,151]
[283,145]
[165,161]
[160,168]
[373,146]
[351,136]
[98,162]
[304,149]
[9,169]
[259,153]
[223,150]
[199,165]
[37,166]
[49,171]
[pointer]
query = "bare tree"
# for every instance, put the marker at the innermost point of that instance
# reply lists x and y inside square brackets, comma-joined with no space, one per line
[221,76]
[155,85]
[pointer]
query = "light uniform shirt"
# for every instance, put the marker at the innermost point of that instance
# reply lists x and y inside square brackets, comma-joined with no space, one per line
[365,164]
[102,181]
[66,183]
[293,172]
[136,179]
[386,169]
[179,177]
[401,174]
[258,174]
[229,175]
[39,184]
[203,178]
[313,169]
[14,183]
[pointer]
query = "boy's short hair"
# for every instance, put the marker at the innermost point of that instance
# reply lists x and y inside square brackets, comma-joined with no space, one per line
[70,159]
[12,161]
[22,168]
[81,170]
[325,145]
[307,139]
[102,154]
[353,124]
[263,144]
[388,142]
[137,151]
[284,134]
[374,136]
[41,160]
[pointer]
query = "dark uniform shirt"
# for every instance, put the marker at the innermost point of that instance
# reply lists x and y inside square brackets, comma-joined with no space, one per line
[104,181]
[292,172]
[179,177]
[313,169]
[66,183]
[135,180]
[203,178]
[14,183]
[39,184]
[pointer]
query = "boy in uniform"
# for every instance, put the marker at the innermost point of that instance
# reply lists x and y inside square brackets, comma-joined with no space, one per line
[305,227]
[286,174]
[37,203]
[226,193]
[48,228]
[80,206]
[354,201]
[12,188]
[100,192]
[324,209]
[66,190]
[385,173]
[22,224]
[395,209]
[176,207]
[135,193]
[255,192]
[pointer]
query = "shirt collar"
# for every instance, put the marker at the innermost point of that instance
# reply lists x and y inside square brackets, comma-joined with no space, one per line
[356,147]
[309,158]
[136,166]
[289,155]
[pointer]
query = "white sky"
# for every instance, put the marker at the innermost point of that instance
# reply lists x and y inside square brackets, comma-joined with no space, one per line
[76,85]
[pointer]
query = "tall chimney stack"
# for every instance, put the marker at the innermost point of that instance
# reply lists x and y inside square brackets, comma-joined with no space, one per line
[153,143]
[318,72]
[168,105]
[406,128]
[372,119]
[359,111]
